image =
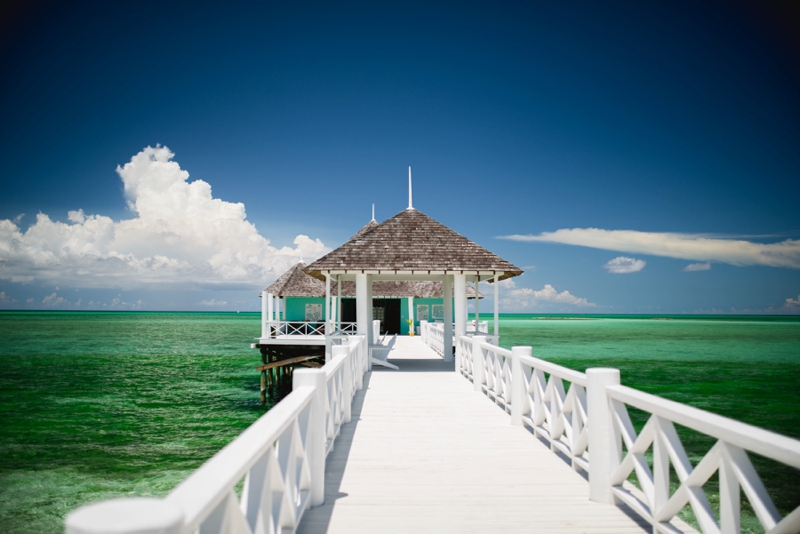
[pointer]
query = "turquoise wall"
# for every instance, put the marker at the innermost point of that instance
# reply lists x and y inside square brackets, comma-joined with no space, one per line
[296,307]
[404,313]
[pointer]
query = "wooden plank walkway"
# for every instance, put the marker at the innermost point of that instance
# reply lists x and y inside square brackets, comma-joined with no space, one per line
[427,453]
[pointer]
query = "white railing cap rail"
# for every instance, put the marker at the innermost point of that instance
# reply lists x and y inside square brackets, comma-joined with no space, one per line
[564,373]
[576,377]
[752,438]
[210,484]
[333,365]
[494,348]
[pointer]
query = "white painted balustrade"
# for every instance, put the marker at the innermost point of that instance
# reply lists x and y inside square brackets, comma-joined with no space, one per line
[277,329]
[481,327]
[281,458]
[584,417]
[435,337]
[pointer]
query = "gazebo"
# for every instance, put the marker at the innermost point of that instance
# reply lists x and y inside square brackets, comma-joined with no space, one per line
[412,246]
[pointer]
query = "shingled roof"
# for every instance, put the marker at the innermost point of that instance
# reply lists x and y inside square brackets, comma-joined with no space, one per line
[296,283]
[411,242]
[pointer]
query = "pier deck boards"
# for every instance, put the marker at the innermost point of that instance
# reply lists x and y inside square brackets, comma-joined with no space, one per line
[426,453]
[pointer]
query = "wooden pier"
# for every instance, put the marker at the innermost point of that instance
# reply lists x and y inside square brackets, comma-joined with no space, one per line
[426,453]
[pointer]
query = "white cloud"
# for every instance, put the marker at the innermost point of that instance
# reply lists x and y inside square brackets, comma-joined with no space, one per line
[5,298]
[673,245]
[624,265]
[214,302]
[793,304]
[180,235]
[698,267]
[524,298]
[52,300]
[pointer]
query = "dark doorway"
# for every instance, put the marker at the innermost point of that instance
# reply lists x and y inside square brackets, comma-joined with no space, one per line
[388,312]
[348,310]
[385,310]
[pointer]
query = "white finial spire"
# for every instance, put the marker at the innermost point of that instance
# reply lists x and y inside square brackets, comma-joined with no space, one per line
[373,211]
[410,204]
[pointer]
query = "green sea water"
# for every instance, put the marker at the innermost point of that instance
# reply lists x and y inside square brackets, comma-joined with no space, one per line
[101,405]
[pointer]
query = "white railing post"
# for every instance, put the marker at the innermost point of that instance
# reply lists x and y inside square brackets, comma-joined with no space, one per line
[316,441]
[518,382]
[264,317]
[477,362]
[605,447]
[345,351]
[126,516]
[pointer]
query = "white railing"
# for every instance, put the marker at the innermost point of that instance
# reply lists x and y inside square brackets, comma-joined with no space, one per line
[281,458]
[434,337]
[533,391]
[543,404]
[276,329]
[350,329]
[727,457]
[482,327]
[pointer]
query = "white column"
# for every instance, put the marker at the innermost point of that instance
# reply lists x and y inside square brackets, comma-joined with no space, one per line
[316,447]
[477,303]
[497,307]
[363,321]
[604,442]
[264,315]
[460,290]
[448,317]
[371,338]
[339,302]
[270,306]
[327,304]
[411,313]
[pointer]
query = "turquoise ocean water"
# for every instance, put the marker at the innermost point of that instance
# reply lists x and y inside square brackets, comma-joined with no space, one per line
[101,405]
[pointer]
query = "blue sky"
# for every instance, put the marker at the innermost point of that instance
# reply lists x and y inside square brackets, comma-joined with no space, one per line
[603,149]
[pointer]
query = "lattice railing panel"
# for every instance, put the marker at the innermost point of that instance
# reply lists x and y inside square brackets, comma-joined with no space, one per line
[557,414]
[658,501]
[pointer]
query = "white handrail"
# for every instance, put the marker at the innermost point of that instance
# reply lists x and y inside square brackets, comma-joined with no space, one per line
[281,457]
[534,392]
[541,403]
[728,456]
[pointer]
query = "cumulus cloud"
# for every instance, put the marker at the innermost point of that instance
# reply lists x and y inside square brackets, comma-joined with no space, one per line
[624,265]
[5,299]
[698,267]
[793,304]
[180,235]
[524,298]
[673,245]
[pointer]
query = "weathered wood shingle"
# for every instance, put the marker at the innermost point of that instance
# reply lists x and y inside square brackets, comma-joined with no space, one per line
[411,241]
[296,283]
